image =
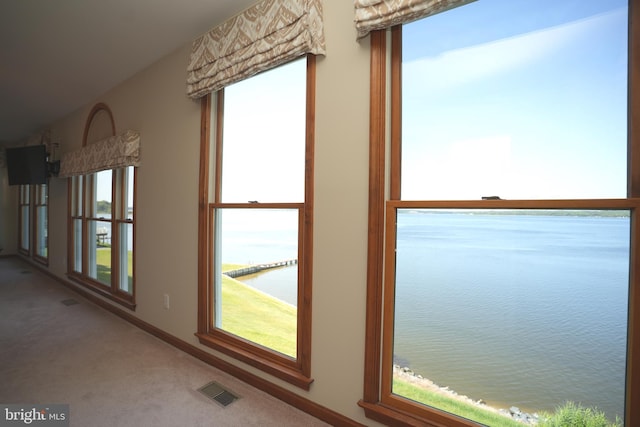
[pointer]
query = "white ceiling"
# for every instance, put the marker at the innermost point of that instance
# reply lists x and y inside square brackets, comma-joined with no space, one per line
[58,55]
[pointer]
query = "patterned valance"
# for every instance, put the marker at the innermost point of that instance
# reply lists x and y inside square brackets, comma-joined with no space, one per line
[264,36]
[379,14]
[110,153]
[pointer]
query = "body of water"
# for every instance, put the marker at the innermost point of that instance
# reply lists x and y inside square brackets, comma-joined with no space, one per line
[261,236]
[517,310]
[524,310]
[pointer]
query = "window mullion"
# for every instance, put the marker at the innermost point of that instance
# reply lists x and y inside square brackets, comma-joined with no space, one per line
[115,234]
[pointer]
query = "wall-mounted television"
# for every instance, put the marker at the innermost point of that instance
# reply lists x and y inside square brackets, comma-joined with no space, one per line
[27,165]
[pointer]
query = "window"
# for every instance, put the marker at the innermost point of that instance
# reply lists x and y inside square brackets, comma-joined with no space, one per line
[41,223]
[509,245]
[102,208]
[259,222]
[33,221]
[102,229]
[24,208]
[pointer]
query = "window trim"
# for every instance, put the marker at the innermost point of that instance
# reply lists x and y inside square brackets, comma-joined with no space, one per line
[84,195]
[384,199]
[294,371]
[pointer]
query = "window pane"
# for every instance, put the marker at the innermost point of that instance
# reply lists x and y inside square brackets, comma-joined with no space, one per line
[100,251]
[76,196]
[522,100]
[42,231]
[40,192]
[264,136]
[103,182]
[517,308]
[256,276]
[25,194]
[126,257]
[128,197]
[77,245]
[24,233]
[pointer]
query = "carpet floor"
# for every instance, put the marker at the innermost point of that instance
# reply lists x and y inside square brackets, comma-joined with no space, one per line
[58,348]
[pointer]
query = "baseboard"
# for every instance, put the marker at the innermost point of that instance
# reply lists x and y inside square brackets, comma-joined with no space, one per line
[322,413]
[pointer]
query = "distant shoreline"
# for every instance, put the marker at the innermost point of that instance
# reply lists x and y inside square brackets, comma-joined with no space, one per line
[589,213]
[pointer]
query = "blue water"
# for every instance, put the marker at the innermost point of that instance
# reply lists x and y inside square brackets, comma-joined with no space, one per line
[524,310]
[260,236]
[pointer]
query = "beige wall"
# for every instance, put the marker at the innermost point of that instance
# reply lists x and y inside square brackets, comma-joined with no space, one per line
[154,103]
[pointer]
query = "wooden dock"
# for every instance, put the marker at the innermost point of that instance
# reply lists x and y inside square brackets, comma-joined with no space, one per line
[252,269]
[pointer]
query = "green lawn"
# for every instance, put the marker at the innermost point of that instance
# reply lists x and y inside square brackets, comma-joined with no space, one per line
[103,261]
[257,317]
[454,406]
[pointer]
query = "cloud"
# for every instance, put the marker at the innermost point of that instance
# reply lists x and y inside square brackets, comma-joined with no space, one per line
[462,66]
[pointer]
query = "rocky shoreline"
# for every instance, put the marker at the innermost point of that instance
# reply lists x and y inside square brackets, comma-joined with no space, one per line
[418,380]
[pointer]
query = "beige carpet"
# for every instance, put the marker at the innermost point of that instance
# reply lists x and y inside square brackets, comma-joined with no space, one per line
[108,371]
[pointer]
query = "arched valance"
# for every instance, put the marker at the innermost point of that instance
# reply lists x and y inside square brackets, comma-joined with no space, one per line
[114,152]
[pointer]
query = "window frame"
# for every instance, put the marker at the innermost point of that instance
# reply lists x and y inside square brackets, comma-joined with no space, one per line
[81,205]
[384,200]
[294,371]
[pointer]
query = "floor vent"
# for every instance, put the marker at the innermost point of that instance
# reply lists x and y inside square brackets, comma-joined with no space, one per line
[69,301]
[218,393]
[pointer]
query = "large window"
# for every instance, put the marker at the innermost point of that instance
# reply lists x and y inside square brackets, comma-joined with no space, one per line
[102,225]
[24,215]
[509,248]
[102,208]
[259,221]
[33,221]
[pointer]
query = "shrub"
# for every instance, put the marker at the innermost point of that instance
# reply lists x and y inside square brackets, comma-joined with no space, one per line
[575,415]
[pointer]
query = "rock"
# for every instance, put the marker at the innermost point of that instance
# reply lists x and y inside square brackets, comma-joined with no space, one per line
[515,410]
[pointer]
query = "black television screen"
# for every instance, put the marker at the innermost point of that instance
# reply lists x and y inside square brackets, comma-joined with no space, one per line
[27,165]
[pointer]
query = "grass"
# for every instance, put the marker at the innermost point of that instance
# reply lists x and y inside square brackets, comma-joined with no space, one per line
[451,405]
[258,317]
[103,264]
[575,415]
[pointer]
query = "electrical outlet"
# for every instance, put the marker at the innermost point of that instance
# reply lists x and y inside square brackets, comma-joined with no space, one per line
[166,301]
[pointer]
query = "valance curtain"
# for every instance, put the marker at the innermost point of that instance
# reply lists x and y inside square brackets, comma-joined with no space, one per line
[114,152]
[373,15]
[264,36]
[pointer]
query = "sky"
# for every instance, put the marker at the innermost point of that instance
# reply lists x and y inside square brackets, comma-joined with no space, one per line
[264,137]
[521,99]
[103,186]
